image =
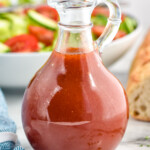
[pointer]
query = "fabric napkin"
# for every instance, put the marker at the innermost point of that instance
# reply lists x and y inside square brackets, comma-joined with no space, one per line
[8,137]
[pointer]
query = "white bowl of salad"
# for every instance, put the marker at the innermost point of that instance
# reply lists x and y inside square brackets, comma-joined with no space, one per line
[28,36]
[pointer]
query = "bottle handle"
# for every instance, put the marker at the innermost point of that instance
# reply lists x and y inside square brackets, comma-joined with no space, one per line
[112,26]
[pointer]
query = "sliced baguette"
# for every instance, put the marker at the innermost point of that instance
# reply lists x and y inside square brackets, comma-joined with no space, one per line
[138,88]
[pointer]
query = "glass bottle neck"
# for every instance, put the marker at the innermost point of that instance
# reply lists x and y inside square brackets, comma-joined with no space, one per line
[75,26]
[74,12]
[74,39]
[76,16]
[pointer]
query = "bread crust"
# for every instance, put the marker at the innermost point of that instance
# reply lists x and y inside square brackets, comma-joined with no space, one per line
[138,89]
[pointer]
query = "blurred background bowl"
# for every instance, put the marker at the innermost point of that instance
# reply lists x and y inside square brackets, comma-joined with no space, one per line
[119,47]
[17,69]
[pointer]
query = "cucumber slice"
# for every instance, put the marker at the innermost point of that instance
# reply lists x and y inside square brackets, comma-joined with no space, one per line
[99,20]
[4,30]
[123,27]
[41,45]
[41,20]
[26,1]
[130,24]
[18,23]
[4,48]
[46,49]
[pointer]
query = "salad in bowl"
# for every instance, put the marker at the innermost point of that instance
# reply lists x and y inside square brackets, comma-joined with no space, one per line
[35,29]
[28,36]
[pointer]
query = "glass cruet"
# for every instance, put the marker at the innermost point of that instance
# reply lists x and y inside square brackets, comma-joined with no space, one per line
[73,102]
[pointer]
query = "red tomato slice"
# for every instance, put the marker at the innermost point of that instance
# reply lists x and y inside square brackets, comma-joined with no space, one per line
[104,11]
[98,30]
[23,43]
[120,34]
[25,10]
[100,11]
[43,35]
[123,17]
[1,4]
[48,12]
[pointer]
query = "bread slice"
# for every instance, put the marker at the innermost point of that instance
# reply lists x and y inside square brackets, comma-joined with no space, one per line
[138,88]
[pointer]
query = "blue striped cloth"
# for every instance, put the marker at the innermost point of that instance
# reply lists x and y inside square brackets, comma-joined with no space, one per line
[8,137]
